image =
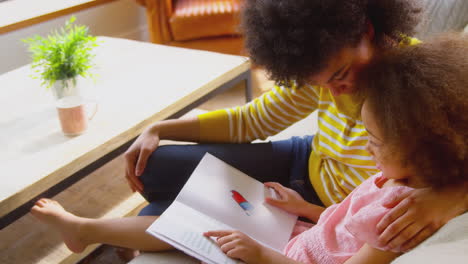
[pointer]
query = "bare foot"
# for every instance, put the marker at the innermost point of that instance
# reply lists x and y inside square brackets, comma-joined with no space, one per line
[126,254]
[53,214]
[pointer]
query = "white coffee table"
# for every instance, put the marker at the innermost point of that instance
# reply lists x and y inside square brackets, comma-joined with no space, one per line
[137,84]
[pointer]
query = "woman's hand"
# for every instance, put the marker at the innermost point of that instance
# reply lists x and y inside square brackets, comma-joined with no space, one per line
[237,245]
[185,129]
[137,155]
[419,214]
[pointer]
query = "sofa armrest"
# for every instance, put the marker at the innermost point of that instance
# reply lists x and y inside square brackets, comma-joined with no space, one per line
[168,4]
[158,13]
[141,2]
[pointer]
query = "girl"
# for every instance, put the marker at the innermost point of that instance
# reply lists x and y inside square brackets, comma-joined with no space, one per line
[414,112]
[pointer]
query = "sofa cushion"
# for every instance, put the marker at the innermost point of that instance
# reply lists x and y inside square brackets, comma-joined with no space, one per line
[166,257]
[448,245]
[194,19]
[443,16]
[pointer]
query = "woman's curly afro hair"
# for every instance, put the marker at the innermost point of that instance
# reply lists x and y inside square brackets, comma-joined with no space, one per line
[294,39]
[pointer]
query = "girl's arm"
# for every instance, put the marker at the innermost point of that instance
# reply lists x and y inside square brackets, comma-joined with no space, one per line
[238,245]
[366,255]
[273,257]
[370,255]
[312,212]
[292,202]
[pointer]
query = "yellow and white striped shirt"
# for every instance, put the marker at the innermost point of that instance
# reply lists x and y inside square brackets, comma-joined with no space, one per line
[339,161]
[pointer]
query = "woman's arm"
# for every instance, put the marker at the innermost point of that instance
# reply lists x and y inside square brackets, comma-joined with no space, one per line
[419,214]
[265,116]
[138,153]
[186,129]
[370,255]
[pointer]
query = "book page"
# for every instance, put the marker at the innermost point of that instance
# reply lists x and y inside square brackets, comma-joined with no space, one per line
[228,195]
[183,227]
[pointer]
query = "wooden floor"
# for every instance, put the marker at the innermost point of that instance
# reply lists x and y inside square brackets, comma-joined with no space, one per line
[104,193]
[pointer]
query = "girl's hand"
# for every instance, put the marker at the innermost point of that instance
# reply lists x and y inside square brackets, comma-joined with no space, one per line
[238,245]
[289,200]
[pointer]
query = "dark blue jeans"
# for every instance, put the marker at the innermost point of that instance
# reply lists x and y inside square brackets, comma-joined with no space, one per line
[170,166]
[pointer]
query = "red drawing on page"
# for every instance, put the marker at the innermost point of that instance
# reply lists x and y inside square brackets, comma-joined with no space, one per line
[242,202]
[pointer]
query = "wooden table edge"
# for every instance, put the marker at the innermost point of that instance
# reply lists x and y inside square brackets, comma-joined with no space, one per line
[30,21]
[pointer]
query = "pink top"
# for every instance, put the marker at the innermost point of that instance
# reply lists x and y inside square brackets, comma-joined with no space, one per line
[344,228]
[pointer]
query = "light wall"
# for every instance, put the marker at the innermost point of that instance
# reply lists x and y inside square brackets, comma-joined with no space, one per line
[123,18]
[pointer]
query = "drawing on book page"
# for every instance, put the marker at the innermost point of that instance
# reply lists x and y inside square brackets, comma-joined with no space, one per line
[242,202]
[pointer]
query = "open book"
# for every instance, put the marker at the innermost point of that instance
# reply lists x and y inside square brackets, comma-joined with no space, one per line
[220,197]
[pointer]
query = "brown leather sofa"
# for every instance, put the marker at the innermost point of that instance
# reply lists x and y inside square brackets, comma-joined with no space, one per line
[199,24]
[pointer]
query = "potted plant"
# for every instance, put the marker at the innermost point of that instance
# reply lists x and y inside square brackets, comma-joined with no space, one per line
[58,60]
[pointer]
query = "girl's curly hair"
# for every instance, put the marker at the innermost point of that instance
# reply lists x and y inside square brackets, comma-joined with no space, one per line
[294,39]
[419,97]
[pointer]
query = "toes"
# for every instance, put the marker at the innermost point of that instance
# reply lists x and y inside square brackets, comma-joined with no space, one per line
[44,201]
[50,201]
[35,209]
[41,203]
[47,200]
